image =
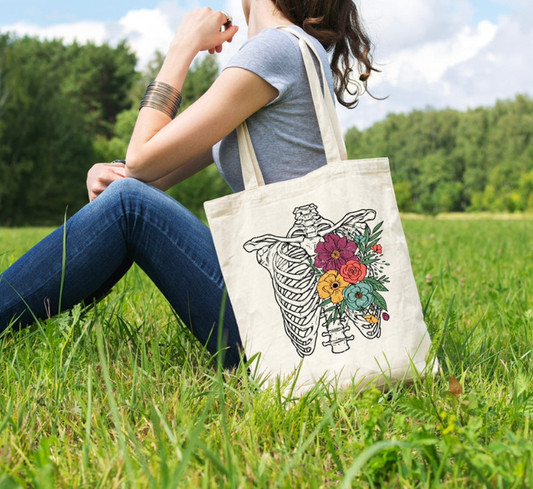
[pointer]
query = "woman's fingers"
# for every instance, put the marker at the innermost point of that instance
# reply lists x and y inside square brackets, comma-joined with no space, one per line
[207,29]
[101,175]
[217,49]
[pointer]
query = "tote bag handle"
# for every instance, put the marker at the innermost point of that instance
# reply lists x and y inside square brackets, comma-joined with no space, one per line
[328,121]
[322,100]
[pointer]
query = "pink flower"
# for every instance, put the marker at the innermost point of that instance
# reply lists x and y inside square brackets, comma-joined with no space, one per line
[334,252]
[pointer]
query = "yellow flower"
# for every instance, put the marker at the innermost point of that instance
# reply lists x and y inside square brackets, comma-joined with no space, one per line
[371,319]
[331,285]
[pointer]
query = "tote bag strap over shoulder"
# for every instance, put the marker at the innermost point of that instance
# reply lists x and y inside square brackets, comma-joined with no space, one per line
[322,100]
[251,173]
[328,121]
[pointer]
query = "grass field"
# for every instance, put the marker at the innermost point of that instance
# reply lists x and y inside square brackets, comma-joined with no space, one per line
[122,396]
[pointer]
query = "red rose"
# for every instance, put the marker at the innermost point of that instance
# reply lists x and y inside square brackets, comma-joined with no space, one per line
[353,271]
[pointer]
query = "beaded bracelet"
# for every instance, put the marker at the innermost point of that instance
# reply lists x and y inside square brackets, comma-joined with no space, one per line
[163,97]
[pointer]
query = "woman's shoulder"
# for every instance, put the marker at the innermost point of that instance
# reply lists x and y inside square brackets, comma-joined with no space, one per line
[270,43]
[274,54]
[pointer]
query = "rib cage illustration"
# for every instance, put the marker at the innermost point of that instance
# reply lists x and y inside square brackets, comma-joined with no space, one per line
[295,293]
[288,260]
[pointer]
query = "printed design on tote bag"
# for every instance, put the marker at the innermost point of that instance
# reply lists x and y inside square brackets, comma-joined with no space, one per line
[327,275]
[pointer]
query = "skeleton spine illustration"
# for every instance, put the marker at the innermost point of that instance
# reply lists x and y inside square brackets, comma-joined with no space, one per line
[326,274]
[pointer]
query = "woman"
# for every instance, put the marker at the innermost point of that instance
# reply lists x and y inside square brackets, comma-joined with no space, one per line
[129,218]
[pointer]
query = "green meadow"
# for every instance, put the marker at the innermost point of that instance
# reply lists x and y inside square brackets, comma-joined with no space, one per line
[121,395]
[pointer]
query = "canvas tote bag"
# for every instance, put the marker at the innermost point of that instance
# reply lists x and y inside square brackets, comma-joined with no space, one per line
[317,268]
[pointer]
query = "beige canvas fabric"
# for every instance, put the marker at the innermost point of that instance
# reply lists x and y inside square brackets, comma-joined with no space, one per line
[317,268]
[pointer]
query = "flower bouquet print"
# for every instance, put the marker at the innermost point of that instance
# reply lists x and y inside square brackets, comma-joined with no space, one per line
[328,279]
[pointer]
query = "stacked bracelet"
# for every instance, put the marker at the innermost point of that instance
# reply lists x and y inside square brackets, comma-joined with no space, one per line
[163,97]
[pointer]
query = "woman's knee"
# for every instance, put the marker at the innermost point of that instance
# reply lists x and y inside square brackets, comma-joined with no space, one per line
[126,185]
[139,198]
[124,192]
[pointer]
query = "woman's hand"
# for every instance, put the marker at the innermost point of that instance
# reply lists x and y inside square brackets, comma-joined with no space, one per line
[202,31]
[101,175]
[159,146]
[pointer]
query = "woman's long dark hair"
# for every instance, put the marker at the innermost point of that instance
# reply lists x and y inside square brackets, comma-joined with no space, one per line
[337,25]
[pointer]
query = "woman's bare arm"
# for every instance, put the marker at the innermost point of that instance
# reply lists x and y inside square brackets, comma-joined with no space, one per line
[184,172]
[159,145]
[101,175]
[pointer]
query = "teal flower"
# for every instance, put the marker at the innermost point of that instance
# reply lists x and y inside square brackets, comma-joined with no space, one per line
[359,239]
[358,296]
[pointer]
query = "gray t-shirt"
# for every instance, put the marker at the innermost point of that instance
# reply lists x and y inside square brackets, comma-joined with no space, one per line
[284,133]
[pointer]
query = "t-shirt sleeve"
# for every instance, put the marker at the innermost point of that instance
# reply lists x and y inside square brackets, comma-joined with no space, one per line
[273,56]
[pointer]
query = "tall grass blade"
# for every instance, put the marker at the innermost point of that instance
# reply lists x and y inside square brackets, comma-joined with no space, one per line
[63,262]
[365,456]
[114,408]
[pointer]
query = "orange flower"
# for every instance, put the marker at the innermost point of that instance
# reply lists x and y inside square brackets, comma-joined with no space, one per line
[377,248]
[331,285]
[353,271]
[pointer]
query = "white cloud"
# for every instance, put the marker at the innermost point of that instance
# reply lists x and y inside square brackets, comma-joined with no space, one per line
[500,70]
[397,25]
[429,53]
[147,31]
[80,31]
[458,65]
[431,60]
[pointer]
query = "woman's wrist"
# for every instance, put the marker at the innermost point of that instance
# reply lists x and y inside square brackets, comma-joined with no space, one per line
[176,65]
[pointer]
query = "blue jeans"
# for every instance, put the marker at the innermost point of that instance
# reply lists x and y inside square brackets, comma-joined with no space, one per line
[129,222]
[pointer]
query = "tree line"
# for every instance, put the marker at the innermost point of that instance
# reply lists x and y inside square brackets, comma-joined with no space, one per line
[451,161]
[54,100]
[65,107]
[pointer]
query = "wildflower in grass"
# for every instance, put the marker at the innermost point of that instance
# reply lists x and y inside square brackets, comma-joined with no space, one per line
[359,296]
[331,285]
[334,252]
[353,271]
[377,249]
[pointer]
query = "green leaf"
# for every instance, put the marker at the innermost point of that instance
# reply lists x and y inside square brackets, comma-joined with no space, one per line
[369,261]
[497,447]
[376,284]
[325,303]
[379,300]
[377,228]
[376,236]
[343,307]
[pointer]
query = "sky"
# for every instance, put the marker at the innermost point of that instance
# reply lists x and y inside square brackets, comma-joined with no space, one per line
[431,53]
